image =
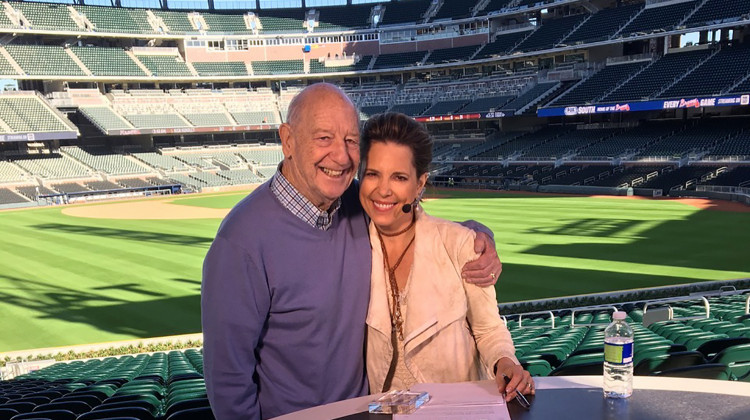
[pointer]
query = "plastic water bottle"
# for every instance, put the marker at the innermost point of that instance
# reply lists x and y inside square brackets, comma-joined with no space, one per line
[618,358]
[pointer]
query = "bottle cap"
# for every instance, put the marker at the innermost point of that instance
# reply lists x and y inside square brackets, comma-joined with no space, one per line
[619,315]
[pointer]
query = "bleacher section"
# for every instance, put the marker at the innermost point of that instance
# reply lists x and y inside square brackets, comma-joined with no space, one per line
[566,144]
[281,20]
[177,22]
[678,178]
[134,183]
[446,107]
[734,177]
[502,45]
[104,118]
[496,5]
[404,11]
[736,148]
[397,60]
[44,60]
[657,76]
[107,61]
[53,166]
[54,17]
[156,121]
[28,114]
[105,161]
[6,67]
[694,139]
[155,385]
[344,17]
[110,19]
[265,157]
[454,9]
[11,173]
[9,197]
[31,192]
[592,88]
[530,95]
[230,68]
[715,75]
[719,11]
[165,65]
[603,24]
[550,33]
[165,163]
[225,23]
[659,18]
[449,55]
[271,67]
[487,104]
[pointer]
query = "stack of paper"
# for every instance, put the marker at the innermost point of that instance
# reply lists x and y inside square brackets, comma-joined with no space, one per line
[460,401]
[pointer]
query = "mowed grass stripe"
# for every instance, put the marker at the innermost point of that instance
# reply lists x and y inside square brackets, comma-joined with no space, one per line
[87,258]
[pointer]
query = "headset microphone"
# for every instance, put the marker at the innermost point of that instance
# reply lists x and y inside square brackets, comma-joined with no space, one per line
[406,208]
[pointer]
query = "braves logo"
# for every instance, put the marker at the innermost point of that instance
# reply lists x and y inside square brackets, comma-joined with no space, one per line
[693,103]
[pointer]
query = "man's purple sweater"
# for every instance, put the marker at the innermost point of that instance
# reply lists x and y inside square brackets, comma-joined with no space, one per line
[283,309]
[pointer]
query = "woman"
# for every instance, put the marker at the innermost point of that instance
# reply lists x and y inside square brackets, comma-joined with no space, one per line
[425,324]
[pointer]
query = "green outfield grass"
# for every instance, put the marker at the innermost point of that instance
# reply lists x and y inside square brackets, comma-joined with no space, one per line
[67,280]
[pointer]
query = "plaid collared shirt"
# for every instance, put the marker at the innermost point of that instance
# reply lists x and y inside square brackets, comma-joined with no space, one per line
[299,205]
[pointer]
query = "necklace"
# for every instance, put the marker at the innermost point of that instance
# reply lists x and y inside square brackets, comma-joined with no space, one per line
[397,319]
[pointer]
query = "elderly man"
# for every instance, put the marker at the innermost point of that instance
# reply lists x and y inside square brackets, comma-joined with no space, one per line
[286,281]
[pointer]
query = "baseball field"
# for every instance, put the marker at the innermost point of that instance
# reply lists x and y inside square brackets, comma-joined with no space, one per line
[131,269]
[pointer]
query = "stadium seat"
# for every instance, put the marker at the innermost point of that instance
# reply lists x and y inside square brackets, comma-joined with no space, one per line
[136,412]
[7,413]
[201,413]
[668,361]
[583,358]
[186,404]
[706,371]
[711,348]
[90,400]
[33,400]
[537,367]
[46,415]
[126,404]
[737,359]
[20,407]
[77,407]
[590,368]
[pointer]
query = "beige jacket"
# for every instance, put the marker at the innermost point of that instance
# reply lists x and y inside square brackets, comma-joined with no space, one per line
[452,330]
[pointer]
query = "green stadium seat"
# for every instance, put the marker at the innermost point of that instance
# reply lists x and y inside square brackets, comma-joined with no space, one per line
[737,359]
[641,352]
[711,348]
[656,364]
[537,367]
[706,371]
[583,358]
[589,368]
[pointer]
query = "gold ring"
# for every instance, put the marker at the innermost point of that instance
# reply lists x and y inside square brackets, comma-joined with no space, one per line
[528,384]
[492,276]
